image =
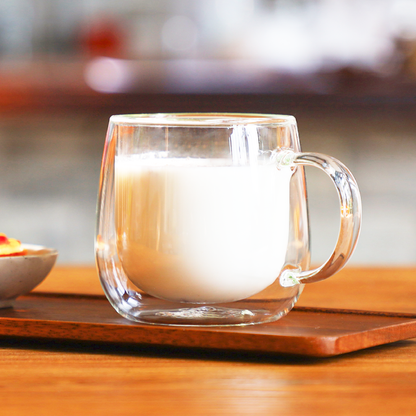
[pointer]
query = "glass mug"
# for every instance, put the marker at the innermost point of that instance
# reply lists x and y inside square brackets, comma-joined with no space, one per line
[202,218]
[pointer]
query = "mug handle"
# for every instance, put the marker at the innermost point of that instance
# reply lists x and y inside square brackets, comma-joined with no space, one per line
[350,201]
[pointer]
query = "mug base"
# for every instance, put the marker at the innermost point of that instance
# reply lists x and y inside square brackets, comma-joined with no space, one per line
[153,311]
[199,316]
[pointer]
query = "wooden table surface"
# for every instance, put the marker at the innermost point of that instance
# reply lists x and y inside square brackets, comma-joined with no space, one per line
[63,378]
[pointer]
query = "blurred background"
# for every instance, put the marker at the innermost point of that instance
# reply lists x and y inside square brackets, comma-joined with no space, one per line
[345,68]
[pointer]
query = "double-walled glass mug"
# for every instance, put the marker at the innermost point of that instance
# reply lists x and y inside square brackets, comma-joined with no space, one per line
[202,218]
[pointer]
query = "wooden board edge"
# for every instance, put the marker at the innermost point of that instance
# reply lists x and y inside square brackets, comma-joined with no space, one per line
[178,337]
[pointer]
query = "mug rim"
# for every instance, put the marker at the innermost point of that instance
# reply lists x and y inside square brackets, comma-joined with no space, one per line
[202,119]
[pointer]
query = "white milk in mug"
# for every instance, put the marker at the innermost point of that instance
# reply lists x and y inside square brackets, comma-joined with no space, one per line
[197,230]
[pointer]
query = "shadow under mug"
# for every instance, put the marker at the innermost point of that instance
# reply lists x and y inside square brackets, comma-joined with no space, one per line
[202,218]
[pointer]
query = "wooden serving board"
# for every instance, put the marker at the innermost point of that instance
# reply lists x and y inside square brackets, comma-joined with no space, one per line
[304,331]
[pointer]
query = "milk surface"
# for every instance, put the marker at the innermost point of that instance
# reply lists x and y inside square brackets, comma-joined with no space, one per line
[190,230]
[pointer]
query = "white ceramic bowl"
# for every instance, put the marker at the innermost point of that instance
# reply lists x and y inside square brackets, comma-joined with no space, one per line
[20,274]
